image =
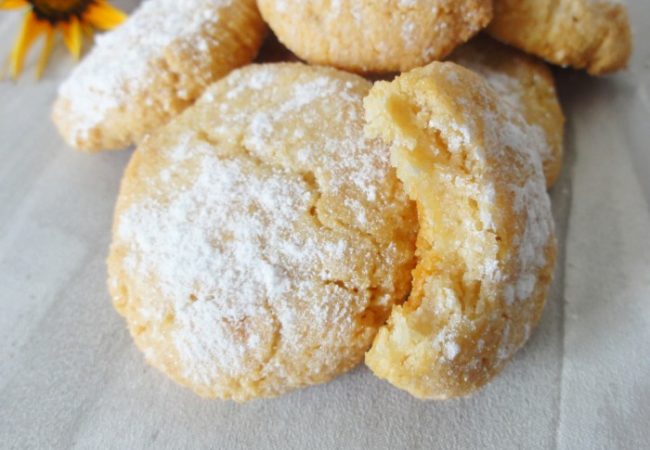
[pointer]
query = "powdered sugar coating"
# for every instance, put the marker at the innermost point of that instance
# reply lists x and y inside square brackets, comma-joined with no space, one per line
[526,85]
[155,64]
[259,244]
[509,144]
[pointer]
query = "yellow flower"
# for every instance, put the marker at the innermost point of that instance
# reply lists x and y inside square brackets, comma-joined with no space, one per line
[45,17]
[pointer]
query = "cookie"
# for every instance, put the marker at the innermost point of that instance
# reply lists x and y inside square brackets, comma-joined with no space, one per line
[584,34]
[260,240]
[152,67]
[371,36]
[527,85]
[485,246]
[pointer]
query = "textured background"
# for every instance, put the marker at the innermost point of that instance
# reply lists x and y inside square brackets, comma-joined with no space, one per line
[71,378]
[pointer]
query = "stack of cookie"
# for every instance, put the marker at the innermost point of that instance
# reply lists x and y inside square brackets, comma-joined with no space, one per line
[279,221]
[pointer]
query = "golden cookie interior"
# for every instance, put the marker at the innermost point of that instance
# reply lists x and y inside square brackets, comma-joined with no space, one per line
[485,247]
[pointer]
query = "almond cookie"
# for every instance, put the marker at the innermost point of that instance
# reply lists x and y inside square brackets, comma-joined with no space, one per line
[486,245]
[152,67]
[584,34]
[375,36]
[260,239]
[527,85]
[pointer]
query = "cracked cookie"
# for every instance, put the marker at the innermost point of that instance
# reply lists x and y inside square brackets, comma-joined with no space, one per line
[260,239]
[527,85]
[371,36]
[585,34]
[486,244]
[156,64]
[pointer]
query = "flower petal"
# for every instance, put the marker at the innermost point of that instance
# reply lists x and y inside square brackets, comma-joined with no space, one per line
[46,51]
[87,30]
[13,4]
[72,37]
[30,30]
[104,16]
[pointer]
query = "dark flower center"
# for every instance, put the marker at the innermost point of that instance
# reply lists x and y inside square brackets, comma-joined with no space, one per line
[55,11]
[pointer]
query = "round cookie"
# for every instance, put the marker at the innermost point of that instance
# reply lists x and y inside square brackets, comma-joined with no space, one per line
[374,36]
[152,67]
[585,34]
[528,86]
[260,240]
[486,245]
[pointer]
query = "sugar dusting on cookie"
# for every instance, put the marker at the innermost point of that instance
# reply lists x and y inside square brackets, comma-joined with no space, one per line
[530,200]
[266,124]
[508,133]
[248,258]
[123,61]
[210,240]
[510,90]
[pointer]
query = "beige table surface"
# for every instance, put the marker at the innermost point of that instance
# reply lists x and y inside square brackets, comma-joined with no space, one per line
[71,378]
